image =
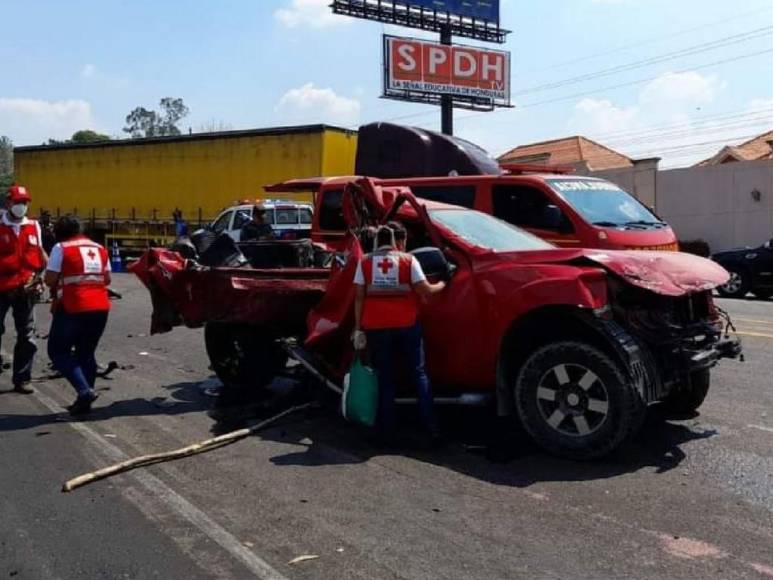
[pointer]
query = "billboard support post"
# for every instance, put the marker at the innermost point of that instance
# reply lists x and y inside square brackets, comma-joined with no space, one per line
[446,101]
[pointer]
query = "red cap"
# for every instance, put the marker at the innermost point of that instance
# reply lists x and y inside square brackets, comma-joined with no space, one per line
[18,194]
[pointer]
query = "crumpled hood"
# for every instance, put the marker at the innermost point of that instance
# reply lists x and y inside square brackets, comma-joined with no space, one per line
[666,273]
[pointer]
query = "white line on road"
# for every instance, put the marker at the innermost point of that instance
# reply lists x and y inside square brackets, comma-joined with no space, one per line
[761,428]
[175,501]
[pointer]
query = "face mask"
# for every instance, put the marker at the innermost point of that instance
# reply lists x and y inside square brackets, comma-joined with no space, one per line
[19,210]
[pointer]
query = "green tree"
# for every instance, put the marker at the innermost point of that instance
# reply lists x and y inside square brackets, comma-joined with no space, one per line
[6,164]
[172,111]
[82,136]
[142,122]
[88,136]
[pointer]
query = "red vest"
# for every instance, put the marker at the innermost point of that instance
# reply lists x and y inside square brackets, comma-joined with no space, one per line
[81,286]
[389,298]
[20,256]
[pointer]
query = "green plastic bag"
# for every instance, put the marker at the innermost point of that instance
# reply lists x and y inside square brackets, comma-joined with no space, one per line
[359,402]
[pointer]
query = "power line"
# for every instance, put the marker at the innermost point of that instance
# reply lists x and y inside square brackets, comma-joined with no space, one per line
[650,40]
[623,85]
[689,51]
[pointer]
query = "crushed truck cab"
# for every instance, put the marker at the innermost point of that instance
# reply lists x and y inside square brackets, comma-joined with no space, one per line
[572,343]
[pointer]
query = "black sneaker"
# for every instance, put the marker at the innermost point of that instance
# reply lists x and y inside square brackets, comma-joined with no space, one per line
[82,405]
[23,388]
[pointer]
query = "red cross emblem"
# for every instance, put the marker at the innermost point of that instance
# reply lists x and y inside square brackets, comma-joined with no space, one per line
[385,265]
[91,254]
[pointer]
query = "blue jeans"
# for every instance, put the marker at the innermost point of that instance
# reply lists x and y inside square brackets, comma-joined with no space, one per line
[384,345]
[72,343]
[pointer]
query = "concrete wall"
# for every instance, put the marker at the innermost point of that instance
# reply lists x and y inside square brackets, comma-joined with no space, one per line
[710,203]
[717,205]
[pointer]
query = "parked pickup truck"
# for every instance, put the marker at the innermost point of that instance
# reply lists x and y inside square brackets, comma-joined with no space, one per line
[573,343]
[567,210]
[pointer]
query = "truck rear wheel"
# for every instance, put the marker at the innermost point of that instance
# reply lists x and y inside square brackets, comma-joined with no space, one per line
[241,357]
[686,399]
[575,401]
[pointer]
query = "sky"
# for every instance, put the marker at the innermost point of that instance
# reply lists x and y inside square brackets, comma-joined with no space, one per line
[666,78]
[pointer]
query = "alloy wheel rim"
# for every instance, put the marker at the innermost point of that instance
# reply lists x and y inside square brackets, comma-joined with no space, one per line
[734,284]
[572,400]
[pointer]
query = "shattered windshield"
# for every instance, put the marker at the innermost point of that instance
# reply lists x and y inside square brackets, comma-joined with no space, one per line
[485,231]
[603,203]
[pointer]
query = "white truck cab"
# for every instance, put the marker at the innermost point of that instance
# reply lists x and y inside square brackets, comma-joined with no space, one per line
[289,219]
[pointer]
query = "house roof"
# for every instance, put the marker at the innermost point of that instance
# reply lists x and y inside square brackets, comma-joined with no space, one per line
[758,148]
[568,151]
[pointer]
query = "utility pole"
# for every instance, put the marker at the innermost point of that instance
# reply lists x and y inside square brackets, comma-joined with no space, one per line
[446,101]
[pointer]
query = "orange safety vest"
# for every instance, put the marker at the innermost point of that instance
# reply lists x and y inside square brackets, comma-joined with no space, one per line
[389,298]
[21,257]
[81,286]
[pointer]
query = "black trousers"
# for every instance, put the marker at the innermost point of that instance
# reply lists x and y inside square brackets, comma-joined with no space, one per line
[22,305]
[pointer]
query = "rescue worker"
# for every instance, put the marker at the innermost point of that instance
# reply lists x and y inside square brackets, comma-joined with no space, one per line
[257,228]
[79,272]
[22,259]
[47,231]
[388,282]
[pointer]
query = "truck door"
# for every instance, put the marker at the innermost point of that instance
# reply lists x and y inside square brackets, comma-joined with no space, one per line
[223,223]
[530,208]
[241,218]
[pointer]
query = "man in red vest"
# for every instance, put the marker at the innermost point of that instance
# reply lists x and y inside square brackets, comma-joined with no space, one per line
[79,272]
[388,282]
[21,260]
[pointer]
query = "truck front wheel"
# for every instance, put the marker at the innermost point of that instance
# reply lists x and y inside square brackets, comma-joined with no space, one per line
[575,401]
[685,399]
[241,356]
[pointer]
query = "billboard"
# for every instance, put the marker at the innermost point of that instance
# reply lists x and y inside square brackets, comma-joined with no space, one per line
[477,19]
[478,9]
[420,70]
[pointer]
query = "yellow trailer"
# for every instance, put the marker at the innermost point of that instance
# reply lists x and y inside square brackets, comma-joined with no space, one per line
[128,189]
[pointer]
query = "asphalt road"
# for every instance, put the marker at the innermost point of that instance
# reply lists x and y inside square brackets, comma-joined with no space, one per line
[686,499]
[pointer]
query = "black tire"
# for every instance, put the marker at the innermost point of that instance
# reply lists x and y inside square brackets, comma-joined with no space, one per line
[686,399]
[738,285]
[241,357]
[590,414]
[763,294]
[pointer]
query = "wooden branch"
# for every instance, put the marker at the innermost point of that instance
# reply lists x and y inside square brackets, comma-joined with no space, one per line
[200,447]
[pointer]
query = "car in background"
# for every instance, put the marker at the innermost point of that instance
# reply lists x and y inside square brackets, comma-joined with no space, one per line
[290,220]
[751,270]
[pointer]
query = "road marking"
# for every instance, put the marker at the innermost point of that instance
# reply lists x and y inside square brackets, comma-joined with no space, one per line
[761,428]
[757,334]
[176,502]
[753,320]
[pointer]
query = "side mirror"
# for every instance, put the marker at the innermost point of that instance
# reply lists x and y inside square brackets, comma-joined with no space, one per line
[551,218]
[433,262]
[768,245]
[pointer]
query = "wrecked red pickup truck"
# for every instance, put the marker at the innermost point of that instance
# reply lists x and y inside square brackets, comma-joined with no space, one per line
[574,342]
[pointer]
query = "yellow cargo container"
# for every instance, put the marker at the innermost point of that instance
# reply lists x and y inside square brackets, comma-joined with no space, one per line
[130,188]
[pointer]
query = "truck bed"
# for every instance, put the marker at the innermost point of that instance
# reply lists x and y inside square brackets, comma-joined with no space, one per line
[186,293]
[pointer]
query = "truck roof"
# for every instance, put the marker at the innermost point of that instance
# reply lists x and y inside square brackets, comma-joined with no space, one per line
[316,182]
[476,178]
